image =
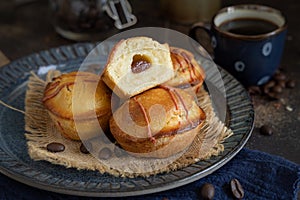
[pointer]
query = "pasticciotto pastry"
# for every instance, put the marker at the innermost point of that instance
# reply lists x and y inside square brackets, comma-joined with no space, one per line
[79,103]
[159,122]
[188,73]
[137,64]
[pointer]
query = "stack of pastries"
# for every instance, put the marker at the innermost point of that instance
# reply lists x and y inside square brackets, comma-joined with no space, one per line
[157,117]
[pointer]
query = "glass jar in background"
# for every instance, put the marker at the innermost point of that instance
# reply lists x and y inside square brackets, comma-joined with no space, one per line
[190,11]
[86,20]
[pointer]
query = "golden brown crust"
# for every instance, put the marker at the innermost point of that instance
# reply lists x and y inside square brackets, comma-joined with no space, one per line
[80,97]
[188,72]
[157,123]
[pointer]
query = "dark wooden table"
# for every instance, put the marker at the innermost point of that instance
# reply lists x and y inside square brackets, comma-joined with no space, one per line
[27,28]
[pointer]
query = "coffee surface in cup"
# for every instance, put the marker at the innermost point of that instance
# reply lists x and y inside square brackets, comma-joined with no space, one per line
[248,26]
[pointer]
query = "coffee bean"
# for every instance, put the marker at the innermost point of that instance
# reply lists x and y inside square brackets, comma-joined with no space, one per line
[86,147]
[55,147]
[276,89]
[236,189]
[279,76]
[273,96]
[270,84]
[291,84]
[281,83]
[207,191]
[266,87]
[105,153]
[266,130]
[266,90]
[254,90]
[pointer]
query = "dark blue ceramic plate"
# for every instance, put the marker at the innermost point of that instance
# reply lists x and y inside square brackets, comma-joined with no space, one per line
[16,163]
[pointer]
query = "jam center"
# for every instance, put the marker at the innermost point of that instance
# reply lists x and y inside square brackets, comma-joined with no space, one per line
[140,63]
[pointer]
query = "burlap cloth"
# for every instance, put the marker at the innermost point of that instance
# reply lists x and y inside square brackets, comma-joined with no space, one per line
[40,131]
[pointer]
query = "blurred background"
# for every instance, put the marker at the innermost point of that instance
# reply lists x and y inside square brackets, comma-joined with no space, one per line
[27,26]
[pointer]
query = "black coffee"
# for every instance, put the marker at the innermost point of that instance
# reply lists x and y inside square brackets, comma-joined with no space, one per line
[248,26]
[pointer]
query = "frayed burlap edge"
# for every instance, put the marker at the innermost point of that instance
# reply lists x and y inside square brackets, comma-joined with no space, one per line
[41,131]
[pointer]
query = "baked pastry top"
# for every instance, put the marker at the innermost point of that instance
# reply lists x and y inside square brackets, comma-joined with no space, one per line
[137,64]
[160,118]
[79,96]
[188,72]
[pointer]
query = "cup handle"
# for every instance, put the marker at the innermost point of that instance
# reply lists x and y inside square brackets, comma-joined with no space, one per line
[207,42]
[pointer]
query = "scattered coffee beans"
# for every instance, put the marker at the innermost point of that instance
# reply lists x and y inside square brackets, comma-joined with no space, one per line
[236,189]
[105,153]
[266,130]
[207,191]
[55,147]
[273,88]
[86,147]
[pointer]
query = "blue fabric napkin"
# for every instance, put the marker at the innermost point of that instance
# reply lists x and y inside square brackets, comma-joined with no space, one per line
[263,177]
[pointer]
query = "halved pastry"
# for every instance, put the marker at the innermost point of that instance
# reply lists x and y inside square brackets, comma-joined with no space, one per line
[188,73]
[137,64]
[79,104]
[159,122]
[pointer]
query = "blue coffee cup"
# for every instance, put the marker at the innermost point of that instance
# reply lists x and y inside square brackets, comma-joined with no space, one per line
[247,40]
